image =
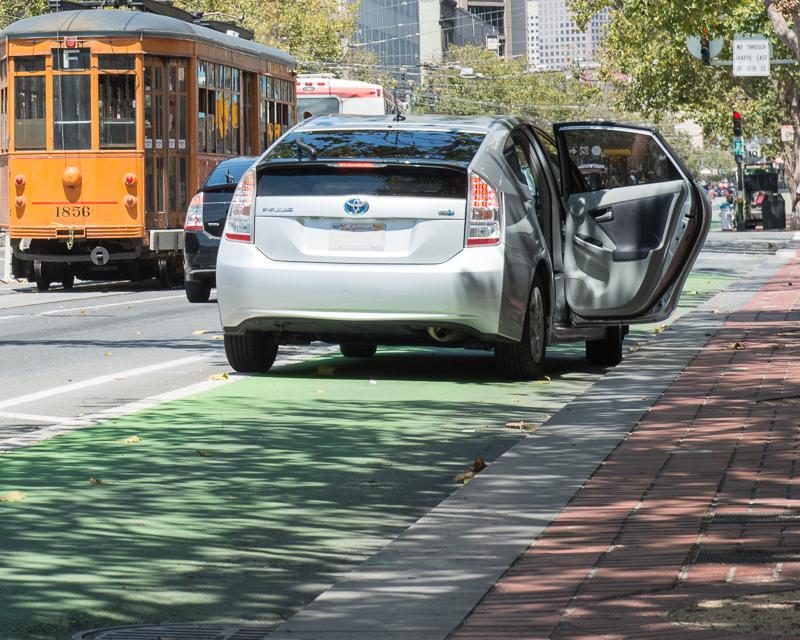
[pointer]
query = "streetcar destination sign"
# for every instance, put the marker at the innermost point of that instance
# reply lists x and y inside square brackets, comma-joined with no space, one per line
[751,56]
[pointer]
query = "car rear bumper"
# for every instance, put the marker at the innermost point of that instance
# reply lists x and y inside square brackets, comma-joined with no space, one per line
[391,300]
[200,255]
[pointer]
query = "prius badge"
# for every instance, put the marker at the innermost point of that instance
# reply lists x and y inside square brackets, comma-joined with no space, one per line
[356,207]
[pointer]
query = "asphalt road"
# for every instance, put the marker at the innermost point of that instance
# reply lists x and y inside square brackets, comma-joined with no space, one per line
[69,355]
[296,476]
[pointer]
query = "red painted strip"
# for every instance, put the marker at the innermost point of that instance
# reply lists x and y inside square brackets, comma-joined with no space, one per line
[75,203]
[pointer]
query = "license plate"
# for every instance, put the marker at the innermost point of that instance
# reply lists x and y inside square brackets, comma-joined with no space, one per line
[357,236]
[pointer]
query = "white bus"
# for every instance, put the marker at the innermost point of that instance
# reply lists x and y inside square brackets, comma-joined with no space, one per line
[325,95]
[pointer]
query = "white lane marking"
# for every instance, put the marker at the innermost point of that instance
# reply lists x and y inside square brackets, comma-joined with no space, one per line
[93,382]
[33,417]
[111,304]
[796,235]
[10,317]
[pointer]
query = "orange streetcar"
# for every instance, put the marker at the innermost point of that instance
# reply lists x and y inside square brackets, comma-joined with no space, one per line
[109,121]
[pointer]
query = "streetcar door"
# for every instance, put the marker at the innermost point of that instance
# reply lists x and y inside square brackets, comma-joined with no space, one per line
[165,142]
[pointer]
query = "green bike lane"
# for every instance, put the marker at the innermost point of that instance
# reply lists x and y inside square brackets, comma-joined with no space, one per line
[243,503]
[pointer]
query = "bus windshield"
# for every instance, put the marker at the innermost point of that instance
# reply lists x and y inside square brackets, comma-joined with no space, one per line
[307,107]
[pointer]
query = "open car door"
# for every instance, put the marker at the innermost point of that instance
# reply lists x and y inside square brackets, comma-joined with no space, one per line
[635,222]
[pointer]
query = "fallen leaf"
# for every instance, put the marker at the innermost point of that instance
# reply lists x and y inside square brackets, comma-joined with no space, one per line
[94,480]
[199,332]
[218,338]
[320,391]
[660,329]
[373,382]
[326,370]
[737,346]
[543,380]
[515,425]
[107,353]
[219,376]
[693,292]
[12,496]
[203,453]
[477,466]
[131,440]
[84,312]
[515,400]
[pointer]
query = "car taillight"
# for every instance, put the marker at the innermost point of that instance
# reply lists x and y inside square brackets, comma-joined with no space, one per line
[241,214]
[194,214]
[484,216]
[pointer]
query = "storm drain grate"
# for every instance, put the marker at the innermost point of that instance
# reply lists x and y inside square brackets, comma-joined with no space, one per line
[756,517]
[746,556]
[177,632]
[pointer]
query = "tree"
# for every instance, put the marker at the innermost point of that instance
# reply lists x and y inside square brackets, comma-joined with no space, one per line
[474,81]
[645,57]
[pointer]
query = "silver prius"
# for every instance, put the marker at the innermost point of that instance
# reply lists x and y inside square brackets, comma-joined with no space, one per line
[462,232]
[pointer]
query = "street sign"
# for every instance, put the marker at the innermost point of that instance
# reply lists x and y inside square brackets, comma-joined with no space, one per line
[787,133]
[751,56]
[738,146]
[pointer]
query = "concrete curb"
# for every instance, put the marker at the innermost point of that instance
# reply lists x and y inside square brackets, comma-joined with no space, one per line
[424,583]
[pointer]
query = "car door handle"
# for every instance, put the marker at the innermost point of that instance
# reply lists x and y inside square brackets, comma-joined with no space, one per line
[602,215]
[589,240]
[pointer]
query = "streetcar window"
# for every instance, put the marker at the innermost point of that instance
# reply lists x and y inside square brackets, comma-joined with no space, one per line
[29,112]
[29,64]
[117,111]
[71,59]
[72,112]
[116,63]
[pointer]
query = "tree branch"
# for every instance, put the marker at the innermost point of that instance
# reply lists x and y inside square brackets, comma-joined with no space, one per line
[785,33]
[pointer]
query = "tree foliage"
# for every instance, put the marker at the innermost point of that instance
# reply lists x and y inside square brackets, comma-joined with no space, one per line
[646,59]
[475,81]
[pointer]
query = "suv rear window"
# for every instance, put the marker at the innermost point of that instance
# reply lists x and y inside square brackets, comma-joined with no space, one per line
[392,180]
[228,173]
[453,147]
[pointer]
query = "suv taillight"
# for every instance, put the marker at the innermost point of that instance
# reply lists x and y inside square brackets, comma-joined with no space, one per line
[194,214]
[484,215]
[241,214]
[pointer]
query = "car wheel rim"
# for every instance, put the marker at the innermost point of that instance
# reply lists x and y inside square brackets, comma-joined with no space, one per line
[537,323]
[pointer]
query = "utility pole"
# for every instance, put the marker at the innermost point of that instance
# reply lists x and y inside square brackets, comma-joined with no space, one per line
[738,154]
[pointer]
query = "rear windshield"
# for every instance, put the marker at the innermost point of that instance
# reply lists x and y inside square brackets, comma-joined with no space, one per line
[311,180]
[452,147]
[228,173]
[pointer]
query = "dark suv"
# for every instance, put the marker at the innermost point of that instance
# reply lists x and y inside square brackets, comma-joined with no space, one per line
[205,220]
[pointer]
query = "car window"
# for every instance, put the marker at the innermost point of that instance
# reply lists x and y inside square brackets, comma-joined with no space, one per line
[551,153]
[228,173]
[398,181]
[452,147]
[517,153]
[613,158]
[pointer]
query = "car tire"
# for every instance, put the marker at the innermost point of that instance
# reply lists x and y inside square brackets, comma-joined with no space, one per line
[41,275]
[197,291]
[524,360]
[358,349]
[606,351]
[252,352]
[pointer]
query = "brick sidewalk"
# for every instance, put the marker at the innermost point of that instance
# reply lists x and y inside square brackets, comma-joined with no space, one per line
[701,501]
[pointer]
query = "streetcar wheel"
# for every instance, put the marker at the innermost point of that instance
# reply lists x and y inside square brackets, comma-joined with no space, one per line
[68,280]
[42,276]
[167,272]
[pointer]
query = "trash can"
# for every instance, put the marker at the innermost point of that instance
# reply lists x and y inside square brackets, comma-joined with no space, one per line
[773,212]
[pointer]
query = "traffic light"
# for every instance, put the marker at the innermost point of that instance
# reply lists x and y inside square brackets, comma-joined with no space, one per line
[705,52]
[737,124]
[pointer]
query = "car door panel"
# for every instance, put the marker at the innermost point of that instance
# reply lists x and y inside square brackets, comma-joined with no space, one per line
[627,246]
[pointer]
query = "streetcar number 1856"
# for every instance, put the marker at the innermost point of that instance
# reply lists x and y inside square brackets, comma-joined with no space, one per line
[73,212]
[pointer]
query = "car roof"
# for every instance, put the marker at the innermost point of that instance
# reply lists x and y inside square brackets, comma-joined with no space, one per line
[237,160]
[116,22]
[478,124]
